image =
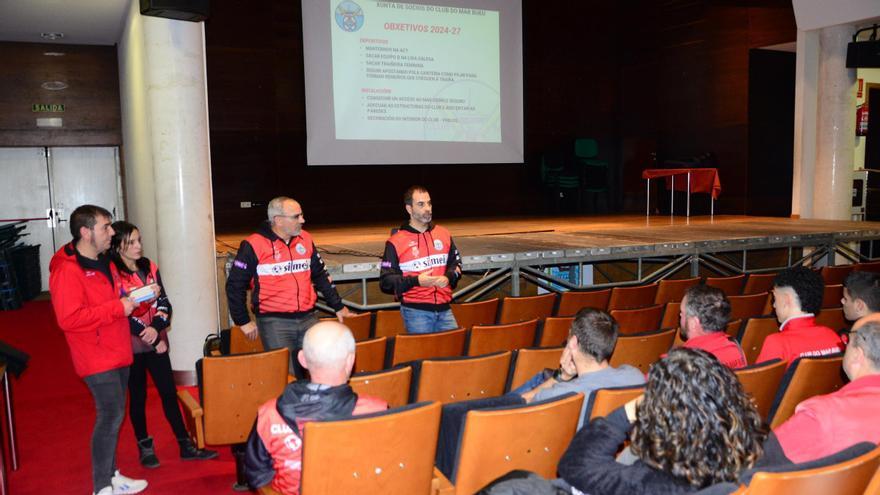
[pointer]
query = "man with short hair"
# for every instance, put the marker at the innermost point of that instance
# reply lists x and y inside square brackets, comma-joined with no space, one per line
[274,447]
[584,365]
[704,314]
[421,266]
[92,309]
[281,264]
[826,424]
[861,295]
[797,297]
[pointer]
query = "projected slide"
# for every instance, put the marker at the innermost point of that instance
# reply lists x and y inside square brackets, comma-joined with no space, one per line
[415,72]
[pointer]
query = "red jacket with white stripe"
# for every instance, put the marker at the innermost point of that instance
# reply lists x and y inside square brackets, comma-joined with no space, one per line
[410,253]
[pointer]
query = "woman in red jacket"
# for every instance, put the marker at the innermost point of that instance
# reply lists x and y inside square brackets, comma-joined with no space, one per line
[148,323]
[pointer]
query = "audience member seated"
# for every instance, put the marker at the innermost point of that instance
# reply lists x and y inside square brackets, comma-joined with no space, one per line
[694,427]
[797,297]
[861,295]
[274,448]
[826,424]
[584,366]
[704,314]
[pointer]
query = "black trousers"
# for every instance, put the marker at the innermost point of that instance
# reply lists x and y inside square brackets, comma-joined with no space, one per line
[159,366]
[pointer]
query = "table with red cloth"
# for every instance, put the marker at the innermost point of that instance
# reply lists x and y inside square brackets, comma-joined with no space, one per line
[702,180]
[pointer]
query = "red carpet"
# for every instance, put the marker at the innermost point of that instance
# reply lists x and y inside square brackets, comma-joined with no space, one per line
[54,415]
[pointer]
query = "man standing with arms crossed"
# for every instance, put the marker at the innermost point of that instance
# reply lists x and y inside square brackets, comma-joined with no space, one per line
[281,264]
[92,309]
[420,267]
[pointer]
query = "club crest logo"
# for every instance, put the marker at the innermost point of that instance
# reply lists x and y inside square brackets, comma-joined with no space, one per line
[438,244]
[349,16]
[300,249]
[415,251]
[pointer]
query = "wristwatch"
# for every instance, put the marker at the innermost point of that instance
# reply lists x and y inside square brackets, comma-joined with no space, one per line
[557,375]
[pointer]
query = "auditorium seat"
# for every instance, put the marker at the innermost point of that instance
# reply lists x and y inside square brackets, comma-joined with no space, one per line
[604,401]
[530,361]
[753,334]
[638,320]
[731,286]
[761,381]
[832,318]
[637,296]
[475,313]
[742,307]
[733,328]
[641,351]
[805,378]
[496,338]
[672,290]
[757,283]
[516,309]
[370,354]
[456,379]
[239,344]
[389,323]
[555,331]
[671,315]
[868,266]
[835,275]
[413,347]
[359,325]
[391,385]
[570,302]
[831,296]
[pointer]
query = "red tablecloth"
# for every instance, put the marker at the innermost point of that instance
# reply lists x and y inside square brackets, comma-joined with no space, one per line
[704,180]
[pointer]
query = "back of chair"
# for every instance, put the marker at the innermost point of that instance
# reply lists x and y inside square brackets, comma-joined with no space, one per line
[570,302]
[805,378]
[832,318]
[531,437]
[832,296]
[758,283]
[359,325]
[393,385]
[555,331]
[753,335]
[369,355]
[389,323]
[605,400]
[671,315]
[239,344]
[733,327]
[742,307]
[638,320]
[671,290]
[475,313]
[835,275]
[874,486]
[731,286]
[452,380]
[761,381]
[642,351]
[632,297]
[389,453]
[495,338]
[412,347]
[850,477]
[872,266]
[234,387]
[516,309]
[531,361]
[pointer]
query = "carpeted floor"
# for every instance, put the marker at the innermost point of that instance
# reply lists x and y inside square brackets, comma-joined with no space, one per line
[54,415]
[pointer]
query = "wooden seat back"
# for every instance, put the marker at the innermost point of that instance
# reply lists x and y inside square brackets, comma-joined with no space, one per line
[874,486]
[832,318]
[234,387]
[758,283]
[754,333]
[476,313]
[642,351]
[733,327]
[392,385]
[531,437]
[369,355]
[761,381]
[359,325]
[605,400]
[670,290]
[389,323]
[496,338]
[516,309]
[413,347]
[742,307]
[730,286]
[671,315]
[531,361]
[868,266]
[342,456]
[239,344]
[638,320]
[805,378]
[570,302]
[555,331]
[835,275]
[632,297]
[452,380]
[831,296]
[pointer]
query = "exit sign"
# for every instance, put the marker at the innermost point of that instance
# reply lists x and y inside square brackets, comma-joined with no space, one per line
[47,107]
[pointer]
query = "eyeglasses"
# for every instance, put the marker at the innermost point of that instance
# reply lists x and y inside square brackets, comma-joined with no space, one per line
[292,217]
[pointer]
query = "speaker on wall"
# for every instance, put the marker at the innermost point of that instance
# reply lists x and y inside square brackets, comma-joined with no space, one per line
[182,10]
[863,54]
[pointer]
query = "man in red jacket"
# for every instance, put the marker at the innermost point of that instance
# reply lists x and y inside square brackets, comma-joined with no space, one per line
[421,266]
[704,314]
[92,307]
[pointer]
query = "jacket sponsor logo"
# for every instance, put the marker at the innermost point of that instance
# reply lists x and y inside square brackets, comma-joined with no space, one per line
[90,273]
[279,429]
[292,442]
[415,251]
[284,268]
[240,264]
[422,264]
[438,244]
[300,248]
[276,253]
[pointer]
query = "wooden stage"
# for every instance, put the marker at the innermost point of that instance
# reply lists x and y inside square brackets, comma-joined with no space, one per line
[353,252]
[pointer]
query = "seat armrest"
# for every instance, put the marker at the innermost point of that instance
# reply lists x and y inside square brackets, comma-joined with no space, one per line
[193,414]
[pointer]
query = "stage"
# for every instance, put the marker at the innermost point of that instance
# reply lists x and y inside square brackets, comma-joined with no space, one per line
[498,251]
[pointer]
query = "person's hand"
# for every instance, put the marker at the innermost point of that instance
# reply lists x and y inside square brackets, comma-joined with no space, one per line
[426,280]
[149,335]
[127,305]
[630,407]
[343,313]
[161,347]
[566,364]
[441,281]
[250,330]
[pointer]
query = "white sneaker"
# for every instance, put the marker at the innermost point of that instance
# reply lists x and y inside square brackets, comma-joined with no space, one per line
[123,485]
[107,490]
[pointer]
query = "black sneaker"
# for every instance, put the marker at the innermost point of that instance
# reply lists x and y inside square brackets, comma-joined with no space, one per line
[189,452]
[148,453]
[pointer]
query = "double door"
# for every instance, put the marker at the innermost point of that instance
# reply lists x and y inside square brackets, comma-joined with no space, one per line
[40,187]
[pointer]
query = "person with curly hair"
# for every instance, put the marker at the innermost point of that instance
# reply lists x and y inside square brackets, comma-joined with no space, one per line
[694,427]
[797,298]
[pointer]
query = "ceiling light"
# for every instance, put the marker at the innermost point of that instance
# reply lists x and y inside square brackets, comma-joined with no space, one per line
[54,85]
[51,36]
[54,54]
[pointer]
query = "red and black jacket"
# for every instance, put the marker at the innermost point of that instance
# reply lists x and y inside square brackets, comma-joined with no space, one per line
[281,276]
[145,314]
[409,253]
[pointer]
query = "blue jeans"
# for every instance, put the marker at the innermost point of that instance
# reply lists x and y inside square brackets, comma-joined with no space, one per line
[276,333]
[423,321]
[108,391]
[539,378]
